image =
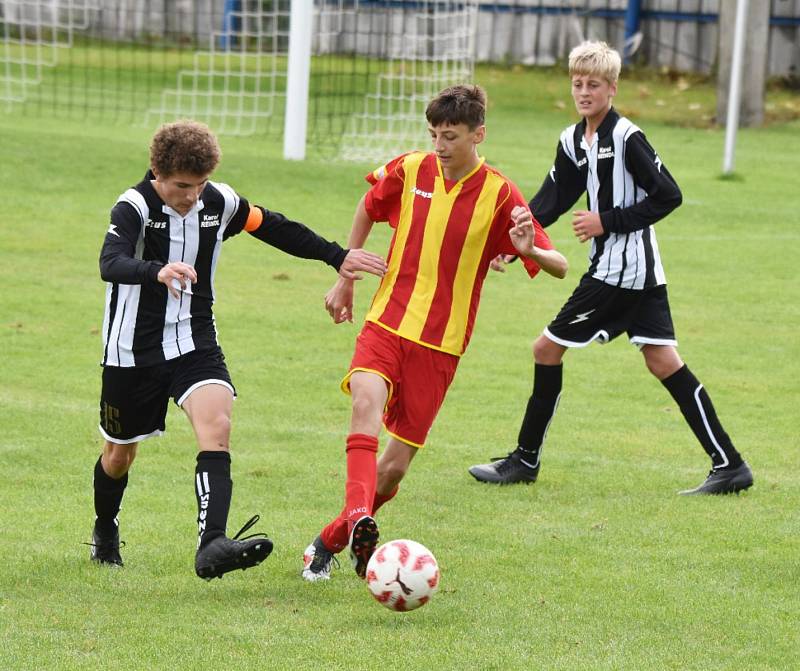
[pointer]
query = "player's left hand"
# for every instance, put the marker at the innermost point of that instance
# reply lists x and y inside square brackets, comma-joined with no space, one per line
[339,301]
[522,233]
[586,225]
[360,260]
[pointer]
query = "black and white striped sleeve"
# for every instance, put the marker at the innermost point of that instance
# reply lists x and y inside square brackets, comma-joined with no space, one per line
[651,175]
[560,189]
[118,262]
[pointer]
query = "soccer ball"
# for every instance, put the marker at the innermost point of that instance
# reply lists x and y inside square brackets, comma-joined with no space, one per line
[402,575]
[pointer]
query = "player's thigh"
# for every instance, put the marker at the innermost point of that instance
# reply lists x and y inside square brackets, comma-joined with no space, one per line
[374,370]
[209,409]
[133,403]
[202,387]
[370,392]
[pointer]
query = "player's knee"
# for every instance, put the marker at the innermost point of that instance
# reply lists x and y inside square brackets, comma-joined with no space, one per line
[364,406]
[117,460]
[661,361]
[219,427]
[545,351]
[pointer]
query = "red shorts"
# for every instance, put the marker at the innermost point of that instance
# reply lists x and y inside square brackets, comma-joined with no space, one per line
[418,379]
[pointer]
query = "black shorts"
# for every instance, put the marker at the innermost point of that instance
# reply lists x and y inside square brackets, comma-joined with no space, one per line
[134,401]
[601,312]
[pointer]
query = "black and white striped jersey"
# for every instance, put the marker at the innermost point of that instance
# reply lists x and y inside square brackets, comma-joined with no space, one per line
[627,184]
[144,324]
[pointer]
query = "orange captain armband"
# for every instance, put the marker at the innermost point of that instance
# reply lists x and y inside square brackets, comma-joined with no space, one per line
[254,219]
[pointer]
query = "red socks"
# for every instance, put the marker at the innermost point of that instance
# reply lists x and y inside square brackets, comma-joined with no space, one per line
[362,474]
[360,495]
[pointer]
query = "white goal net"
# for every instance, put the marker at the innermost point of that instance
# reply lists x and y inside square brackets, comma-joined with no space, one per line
[33,33]
[375,64]
[422,47]
[237,85]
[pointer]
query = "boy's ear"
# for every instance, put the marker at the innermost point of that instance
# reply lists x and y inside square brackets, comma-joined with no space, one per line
[480,134]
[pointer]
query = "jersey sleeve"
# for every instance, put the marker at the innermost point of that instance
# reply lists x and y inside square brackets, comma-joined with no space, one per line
[239,218]
[512,199]
[650,174]
[383,198]
[117,256]
[292,237]
[563,186]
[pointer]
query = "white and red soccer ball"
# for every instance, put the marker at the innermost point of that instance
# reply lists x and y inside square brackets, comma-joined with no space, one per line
[403,575]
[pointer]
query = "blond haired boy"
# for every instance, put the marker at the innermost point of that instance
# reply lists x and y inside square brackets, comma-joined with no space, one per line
[624,290]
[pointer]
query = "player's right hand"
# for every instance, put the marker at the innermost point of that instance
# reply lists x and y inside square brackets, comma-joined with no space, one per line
[177,276]
[361,260]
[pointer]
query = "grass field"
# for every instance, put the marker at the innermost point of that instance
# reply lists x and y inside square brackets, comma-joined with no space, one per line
[599,565]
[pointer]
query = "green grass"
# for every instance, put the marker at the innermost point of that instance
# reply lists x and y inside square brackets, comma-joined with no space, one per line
[597,566]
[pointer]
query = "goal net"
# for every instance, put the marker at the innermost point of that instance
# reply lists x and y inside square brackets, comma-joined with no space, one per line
[236,85]
[389,58]
[33,32]
[375,64]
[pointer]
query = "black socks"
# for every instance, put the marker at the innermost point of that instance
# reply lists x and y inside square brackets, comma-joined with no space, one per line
[213,489]
[539,413]
[107,498]
[699,413]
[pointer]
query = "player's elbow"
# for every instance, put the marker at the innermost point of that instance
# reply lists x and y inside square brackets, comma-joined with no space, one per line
[676,198]
[559,266]
[556,265]
[105,269]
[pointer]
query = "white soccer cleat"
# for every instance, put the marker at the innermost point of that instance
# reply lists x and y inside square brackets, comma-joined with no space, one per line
[317,562]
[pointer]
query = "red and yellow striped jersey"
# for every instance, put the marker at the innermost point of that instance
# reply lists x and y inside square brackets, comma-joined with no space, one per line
[446,233]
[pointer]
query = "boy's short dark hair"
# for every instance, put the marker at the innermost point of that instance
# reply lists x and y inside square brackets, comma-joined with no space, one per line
[458,104]
[184,147]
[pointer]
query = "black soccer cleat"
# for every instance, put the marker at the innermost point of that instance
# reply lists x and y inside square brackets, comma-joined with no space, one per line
[724,481]
[221,554]
[505,471]
[105,548]
[363,541]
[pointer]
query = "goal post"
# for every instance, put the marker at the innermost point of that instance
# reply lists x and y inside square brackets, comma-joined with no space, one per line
[297,78]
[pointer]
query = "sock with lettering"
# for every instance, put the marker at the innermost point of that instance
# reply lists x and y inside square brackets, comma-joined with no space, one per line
[213,490]
[336,534]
